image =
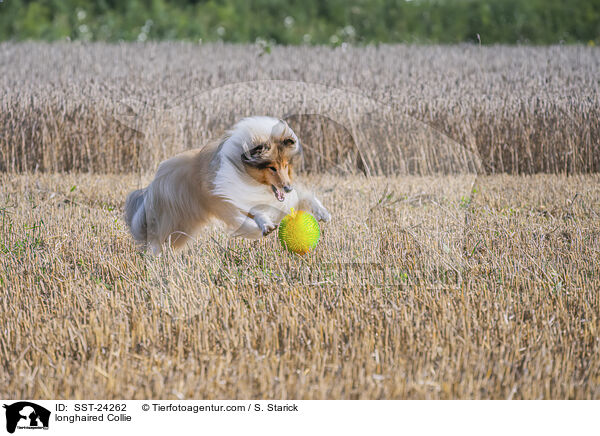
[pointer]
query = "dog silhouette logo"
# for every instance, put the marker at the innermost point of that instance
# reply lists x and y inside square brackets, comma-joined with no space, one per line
[26,415]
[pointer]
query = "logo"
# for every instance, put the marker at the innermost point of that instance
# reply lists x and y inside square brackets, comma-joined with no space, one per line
[26,415]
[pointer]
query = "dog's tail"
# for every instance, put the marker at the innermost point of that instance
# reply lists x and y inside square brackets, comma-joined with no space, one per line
[135,215]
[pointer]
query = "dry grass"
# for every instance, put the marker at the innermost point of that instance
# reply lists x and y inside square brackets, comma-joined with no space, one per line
[522,109]
[420,288]
[430,282]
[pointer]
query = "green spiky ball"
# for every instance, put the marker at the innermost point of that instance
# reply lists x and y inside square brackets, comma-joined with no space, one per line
[299,232]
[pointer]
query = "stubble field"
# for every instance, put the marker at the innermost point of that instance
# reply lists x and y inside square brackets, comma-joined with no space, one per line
[438,277]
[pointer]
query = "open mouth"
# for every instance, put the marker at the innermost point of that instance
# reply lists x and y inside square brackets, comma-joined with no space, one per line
[278,194]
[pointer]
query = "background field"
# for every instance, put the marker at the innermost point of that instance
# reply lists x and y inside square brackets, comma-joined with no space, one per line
[451,269]
[520,109]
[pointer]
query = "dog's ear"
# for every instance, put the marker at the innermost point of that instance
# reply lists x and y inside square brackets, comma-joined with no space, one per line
[297,153]
[259,149]
[255,155]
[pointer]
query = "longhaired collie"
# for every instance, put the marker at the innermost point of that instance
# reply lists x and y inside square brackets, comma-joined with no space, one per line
[245,180]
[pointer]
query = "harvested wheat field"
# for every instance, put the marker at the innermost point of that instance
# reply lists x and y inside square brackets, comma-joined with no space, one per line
[461,261]
[377,311]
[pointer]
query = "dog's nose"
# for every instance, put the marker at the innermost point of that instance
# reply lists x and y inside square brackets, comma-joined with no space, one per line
[287,188]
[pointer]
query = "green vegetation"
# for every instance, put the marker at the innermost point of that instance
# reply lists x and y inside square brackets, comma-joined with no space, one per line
[304,22]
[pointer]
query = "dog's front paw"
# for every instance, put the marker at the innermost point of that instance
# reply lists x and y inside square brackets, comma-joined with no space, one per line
[322,214]
[267,228]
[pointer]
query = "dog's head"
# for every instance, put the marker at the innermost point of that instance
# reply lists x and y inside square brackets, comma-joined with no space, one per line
[271,153]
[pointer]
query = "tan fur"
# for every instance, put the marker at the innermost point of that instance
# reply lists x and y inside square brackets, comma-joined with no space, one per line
[181,197]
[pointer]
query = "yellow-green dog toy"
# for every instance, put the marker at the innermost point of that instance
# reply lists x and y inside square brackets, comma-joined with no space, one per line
[299,232]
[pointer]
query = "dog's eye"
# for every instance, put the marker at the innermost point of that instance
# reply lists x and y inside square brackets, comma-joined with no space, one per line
[289,141]
[273,169]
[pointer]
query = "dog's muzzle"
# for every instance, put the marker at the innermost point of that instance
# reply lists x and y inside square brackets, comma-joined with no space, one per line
[278,194]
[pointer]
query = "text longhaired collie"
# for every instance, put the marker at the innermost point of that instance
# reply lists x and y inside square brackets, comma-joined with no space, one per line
[244,180]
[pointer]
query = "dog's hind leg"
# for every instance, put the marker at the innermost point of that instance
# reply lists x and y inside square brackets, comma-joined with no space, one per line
[179,238]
